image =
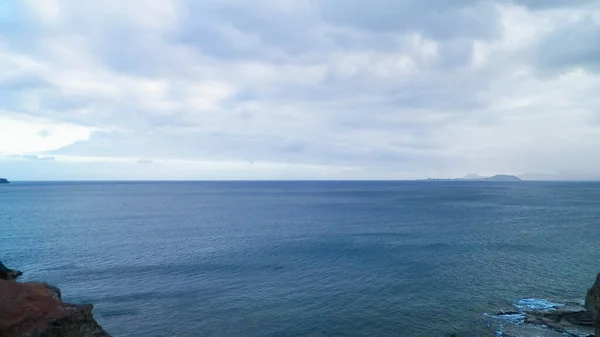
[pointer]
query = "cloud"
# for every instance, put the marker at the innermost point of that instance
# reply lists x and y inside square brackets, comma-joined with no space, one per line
[572,45]
[30,157]
[44,133]
[21,134]
[393,89]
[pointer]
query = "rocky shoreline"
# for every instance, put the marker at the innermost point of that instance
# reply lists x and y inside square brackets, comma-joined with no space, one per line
[563,318]
[36,309]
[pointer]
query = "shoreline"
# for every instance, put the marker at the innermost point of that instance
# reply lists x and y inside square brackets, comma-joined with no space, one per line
[37,309]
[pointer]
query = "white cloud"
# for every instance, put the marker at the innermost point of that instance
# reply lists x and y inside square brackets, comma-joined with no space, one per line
[27,135]
[48,11]
[397,90]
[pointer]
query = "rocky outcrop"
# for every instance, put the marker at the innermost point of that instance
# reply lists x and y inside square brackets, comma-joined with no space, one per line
[592,304]
[3,181]
[35,309]
[567,318]
[562,321]
[8,274]
[560,318]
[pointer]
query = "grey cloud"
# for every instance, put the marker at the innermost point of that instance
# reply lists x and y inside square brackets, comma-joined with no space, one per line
[125,52]
[575,45]
[438,19]
[456,54]
[318,84]
[290,30]
[24,81]
[122,50]
[548,4]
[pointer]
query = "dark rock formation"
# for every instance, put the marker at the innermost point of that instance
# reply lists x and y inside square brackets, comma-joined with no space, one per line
[565,319]
[8,274]
[79,323]
[3,181]
[34,309]
[592,303]
[560,320]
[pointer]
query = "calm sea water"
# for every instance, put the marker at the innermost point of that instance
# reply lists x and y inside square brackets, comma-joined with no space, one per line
[303,258]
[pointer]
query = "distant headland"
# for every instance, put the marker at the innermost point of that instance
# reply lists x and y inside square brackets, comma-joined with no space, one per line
[4,181]
[475,177]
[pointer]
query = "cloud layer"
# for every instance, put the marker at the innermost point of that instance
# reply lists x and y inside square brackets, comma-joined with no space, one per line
[299,89]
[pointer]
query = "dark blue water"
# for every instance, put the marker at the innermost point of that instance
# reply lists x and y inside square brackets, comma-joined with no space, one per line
[303,258]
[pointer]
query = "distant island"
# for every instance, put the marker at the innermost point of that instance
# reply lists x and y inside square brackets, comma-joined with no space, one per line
[475,177]
[4,181]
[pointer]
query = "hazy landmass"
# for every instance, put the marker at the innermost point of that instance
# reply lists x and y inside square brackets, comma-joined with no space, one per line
[561,176]
[473,176]
[476,177]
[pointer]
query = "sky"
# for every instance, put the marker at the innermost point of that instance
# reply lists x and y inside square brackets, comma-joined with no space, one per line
[298,89]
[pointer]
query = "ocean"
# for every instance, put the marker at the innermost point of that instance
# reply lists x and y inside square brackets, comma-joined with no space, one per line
[306,258]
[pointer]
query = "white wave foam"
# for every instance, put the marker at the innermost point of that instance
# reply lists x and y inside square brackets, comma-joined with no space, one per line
[513,318]
[512,321]
[540,304]
[500,332]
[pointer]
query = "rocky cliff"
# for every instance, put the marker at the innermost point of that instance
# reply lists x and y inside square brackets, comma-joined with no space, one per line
[592,304]
[35,309]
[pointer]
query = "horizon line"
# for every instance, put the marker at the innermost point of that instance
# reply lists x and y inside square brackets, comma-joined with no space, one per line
[303,180]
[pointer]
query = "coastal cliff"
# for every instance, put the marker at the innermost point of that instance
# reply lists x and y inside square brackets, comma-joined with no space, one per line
[36,309]
[592,304]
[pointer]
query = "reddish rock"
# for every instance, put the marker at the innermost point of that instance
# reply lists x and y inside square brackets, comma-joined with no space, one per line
[27,307]
[35,309]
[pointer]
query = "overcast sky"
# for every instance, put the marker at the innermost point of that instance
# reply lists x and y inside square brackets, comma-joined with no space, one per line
[297,89]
